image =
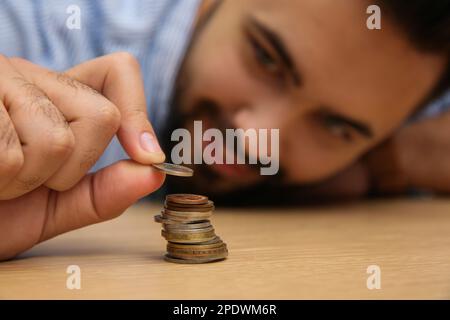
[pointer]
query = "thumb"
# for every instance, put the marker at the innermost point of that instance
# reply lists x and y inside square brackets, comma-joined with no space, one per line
[101,196]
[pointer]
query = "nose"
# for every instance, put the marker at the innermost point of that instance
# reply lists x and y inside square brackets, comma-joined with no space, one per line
[262,114]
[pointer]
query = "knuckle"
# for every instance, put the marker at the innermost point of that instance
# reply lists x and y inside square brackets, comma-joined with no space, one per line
[73,83]
[125,58]
[108,116]
[11,161]
[8,136]
[60,142]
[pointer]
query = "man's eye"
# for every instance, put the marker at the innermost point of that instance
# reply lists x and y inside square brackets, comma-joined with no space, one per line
[264,58]
[338,128]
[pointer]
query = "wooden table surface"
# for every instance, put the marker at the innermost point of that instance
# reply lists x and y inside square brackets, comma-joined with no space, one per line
[274,254]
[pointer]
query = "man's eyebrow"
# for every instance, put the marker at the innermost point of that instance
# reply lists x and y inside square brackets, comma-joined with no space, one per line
[363,128]
[278,44]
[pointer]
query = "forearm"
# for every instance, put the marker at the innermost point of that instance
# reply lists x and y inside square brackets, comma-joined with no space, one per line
[418,156]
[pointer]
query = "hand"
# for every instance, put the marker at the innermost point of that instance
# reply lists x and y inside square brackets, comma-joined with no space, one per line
[349,184]
[53,128]
[417,156]
[385,170]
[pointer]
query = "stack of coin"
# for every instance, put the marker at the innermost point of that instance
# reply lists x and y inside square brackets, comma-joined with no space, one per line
[188,230]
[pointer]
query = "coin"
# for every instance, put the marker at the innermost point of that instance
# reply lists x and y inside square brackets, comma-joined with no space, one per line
[186,225]
[189,199]
[183,219]
[174,169]
[206,204]
[188,237]
[212,241]
[181,213]
[195,252]
[188,231]
[185,261]
[185,208]
[202,245]
[207,255]
[192,225]
[161,219]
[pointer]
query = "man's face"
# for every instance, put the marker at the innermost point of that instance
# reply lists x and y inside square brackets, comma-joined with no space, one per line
[311,69]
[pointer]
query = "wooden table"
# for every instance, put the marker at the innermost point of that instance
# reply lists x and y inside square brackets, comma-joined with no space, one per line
[274,254]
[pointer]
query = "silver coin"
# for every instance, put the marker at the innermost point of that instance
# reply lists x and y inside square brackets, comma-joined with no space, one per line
[189,231]
[193,214]
[187,226]
[174,169]
[178,220]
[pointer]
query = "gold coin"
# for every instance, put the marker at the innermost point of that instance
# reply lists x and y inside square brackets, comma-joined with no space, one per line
[184,261]
[188,236]
[186,213]
[181,253]
[212,241]
[221,255]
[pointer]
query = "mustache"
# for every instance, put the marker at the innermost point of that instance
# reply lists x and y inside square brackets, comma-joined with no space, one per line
[207,108]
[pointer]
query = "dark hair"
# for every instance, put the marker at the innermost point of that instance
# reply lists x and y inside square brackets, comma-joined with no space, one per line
[427,24]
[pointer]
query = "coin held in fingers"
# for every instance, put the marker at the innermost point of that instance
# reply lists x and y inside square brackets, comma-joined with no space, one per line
[174,169]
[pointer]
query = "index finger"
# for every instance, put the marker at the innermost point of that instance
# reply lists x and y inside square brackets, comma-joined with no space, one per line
[118,77]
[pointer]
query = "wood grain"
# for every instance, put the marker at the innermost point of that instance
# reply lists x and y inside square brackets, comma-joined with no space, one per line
[275,254]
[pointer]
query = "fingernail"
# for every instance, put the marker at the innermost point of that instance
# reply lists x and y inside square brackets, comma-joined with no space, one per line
[149,143]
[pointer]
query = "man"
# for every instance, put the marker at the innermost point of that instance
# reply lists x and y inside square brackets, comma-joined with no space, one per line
[343,96]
